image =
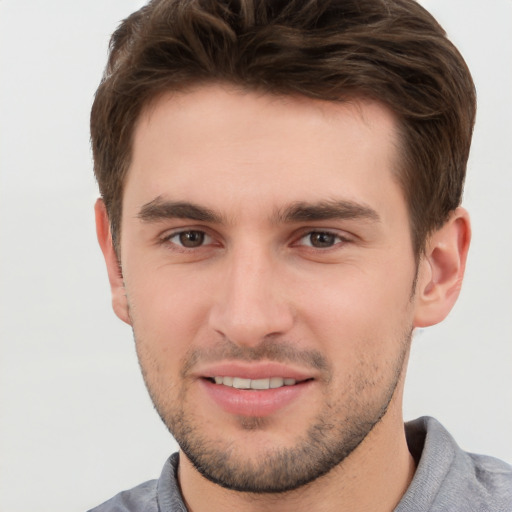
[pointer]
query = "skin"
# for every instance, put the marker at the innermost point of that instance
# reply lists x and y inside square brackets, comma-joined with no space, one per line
[333,297]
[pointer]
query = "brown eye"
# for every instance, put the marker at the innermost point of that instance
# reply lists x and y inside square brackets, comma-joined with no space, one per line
[322,240]
[191,239]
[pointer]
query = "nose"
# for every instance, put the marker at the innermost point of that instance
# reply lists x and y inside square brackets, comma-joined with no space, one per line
[250,303]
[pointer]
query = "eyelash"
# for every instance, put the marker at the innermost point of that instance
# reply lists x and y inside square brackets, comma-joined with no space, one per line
[336,237]
[169,238]
[206,239]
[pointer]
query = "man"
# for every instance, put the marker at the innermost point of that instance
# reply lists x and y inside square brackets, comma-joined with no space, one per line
[280,189]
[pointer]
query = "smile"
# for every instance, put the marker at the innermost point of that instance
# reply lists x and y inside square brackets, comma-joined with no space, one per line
[258,384]
[262,395]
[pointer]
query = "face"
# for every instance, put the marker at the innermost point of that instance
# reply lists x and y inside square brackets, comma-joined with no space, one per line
[268,275]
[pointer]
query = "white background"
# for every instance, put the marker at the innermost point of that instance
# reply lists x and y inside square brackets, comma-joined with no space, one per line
[76,425]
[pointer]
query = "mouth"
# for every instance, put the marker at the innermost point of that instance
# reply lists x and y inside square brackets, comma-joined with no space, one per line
[242,396]
[254,384]
[258,389]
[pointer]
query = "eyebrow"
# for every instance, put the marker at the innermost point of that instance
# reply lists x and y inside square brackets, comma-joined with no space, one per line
[326,210]
[160,209]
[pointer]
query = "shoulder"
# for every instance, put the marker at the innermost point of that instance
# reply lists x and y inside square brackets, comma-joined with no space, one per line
[480,483]
[492,476]
[450,479]
[139,499]
[162,495]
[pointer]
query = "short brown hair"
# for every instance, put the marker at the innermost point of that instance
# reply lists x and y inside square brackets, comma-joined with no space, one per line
[393,51]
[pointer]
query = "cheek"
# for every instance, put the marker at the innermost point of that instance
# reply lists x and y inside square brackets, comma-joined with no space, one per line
[352,308]
[167,310]
[359,312]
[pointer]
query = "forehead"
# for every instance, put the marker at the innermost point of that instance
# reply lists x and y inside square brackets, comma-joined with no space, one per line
[224,109]
[224,147]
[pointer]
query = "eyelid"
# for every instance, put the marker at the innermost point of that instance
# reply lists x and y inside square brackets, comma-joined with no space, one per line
[342,236]
[167,236]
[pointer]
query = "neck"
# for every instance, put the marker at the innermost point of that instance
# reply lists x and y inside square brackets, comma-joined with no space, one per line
[373,478]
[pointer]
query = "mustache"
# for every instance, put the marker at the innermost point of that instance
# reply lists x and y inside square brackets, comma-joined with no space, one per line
[268,350]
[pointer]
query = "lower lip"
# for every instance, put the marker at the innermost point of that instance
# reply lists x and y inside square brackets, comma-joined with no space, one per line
[244,402]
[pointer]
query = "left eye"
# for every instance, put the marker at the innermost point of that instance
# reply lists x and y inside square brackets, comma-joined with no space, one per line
[190,239]
[321,239]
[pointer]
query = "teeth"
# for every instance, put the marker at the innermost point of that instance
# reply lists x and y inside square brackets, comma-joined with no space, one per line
[275,382]
[260,384]
[239,383]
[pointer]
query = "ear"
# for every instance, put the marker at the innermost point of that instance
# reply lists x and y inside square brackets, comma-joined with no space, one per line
[115,275]
[441,270]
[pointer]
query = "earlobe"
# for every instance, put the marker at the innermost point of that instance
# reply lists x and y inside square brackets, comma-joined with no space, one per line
[115,276]
[442,269]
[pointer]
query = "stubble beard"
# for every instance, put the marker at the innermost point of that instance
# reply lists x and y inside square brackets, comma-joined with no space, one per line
[341,426]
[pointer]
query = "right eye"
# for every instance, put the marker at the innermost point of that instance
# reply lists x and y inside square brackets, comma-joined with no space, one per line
[189,239]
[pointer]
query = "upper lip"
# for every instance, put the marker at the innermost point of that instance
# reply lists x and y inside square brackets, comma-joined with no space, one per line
[252,370]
